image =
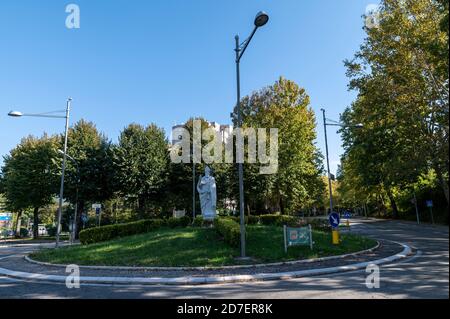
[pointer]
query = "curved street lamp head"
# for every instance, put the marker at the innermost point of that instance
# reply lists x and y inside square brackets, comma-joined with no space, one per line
[15,114]
[360,125]
[261,19]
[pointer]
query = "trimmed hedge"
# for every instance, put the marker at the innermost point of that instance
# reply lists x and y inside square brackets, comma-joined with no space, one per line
[105,233]
[279,220]
[229,229]
[199,221]
[249,220]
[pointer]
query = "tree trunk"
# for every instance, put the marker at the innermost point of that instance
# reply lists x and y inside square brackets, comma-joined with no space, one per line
[141,208]
[80,208]
[36,222]
[281,206]
[16,225]
[393,205]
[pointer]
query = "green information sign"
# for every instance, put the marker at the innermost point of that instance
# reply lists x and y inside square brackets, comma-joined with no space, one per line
[297,236]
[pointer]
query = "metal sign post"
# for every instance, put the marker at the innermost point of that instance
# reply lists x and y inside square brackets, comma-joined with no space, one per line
[430,206]
[417,208]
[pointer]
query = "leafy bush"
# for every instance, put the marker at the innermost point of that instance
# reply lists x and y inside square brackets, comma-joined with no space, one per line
[51,230]
[252,220]
[249,220]
[173,222]
[104,233]
[320,224]
[23,232]
[199,221]
[229,229]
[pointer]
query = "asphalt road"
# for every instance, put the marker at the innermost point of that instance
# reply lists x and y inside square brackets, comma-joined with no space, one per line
[423,275]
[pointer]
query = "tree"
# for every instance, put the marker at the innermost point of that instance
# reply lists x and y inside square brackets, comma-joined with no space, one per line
[141,163]
[401,77]
[298,183]
[92,152]
[30,175]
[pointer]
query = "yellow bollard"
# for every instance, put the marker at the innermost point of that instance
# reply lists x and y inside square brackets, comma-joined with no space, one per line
[335,236]
[348,223]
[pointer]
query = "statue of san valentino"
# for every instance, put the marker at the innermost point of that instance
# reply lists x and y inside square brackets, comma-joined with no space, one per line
[206,188]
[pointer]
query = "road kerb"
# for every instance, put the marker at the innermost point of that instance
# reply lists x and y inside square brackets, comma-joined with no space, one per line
[190,280]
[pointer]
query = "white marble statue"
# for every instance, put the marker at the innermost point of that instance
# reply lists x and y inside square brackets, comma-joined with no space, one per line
[206,188]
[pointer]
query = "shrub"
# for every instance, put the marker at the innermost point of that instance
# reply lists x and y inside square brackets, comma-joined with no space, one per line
[104,233]
[252,220]
[51,230]
[229,229]
[173,222]
[199,221]
[249,220]
[279,220]
[320,224]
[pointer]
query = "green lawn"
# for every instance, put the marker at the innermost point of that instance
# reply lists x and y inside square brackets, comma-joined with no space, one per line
[197,247]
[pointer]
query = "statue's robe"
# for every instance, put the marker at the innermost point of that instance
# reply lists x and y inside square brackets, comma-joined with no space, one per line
[208,197]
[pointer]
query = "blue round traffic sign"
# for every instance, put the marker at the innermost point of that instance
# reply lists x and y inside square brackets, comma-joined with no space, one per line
[334,219]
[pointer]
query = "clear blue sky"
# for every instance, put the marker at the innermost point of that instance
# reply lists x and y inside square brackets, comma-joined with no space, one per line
[164,61]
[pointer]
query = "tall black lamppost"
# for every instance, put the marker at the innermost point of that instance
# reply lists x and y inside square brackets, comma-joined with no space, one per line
[261,19]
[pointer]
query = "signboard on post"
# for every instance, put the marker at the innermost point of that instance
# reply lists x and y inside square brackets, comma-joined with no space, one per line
[429,203]
[297,236]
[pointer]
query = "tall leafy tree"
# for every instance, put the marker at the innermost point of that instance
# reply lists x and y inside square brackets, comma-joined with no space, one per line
[298,183]
[401,76]
[30,175]
[93,171]
[141,163]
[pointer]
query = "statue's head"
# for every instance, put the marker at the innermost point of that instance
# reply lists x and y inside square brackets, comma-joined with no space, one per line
[207,171]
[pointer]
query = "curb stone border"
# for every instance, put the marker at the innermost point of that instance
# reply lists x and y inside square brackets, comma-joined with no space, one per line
[189,280]
[294,262]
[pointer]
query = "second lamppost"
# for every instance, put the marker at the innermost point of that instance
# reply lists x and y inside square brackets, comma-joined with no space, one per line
[261,19]
[325,124]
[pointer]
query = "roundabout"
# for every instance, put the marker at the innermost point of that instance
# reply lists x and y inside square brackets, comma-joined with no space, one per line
[26,268]
[423,274]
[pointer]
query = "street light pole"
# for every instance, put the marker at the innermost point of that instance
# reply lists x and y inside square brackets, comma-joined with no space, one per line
[66,117]
[328,160]
[74,223]
[261,19]
[63,170]
[240,164]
